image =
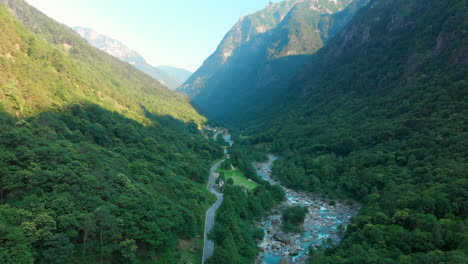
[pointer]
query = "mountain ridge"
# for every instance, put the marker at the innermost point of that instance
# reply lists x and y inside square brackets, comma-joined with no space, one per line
[181,75]
[79,72]
[266,59]
[122,52]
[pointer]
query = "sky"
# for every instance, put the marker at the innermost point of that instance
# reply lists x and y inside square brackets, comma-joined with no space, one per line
[180,33]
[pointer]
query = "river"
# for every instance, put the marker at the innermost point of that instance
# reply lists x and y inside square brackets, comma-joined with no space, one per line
[322,222]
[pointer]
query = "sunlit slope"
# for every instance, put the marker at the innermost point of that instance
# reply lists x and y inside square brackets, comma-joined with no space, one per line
[53,67]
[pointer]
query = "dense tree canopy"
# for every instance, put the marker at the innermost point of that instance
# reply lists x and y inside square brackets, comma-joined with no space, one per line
[379,115]
[86,184]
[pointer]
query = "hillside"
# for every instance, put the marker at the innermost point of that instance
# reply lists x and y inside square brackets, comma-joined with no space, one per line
[64,69]
[99,163]
[120,51]
[266,49]
[85,185]
[379,115]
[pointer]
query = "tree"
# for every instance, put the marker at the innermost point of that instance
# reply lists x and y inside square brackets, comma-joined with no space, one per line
[108,229]
[14,246]
[58,250]
[128,250]
[88,227]
[293,217]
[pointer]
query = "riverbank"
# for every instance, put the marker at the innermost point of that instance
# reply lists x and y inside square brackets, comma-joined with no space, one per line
[323,222]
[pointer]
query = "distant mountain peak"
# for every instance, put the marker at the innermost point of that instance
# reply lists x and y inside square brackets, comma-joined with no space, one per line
[119,50]
[63,69]
[110,46]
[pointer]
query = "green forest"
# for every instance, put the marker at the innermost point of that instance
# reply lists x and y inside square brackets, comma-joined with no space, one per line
[384,123]
[89,185]
[100,163]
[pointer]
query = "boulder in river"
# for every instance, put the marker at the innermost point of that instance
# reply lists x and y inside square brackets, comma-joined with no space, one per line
[294,250]
[276,247]
[276,222]
[282,237]
[286,260]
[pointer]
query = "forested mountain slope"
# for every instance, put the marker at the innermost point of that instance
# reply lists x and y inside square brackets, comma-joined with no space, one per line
[52,67]
[99,163]
[262,51]
[120,51]
[380,115]
[181,75]
[85,185]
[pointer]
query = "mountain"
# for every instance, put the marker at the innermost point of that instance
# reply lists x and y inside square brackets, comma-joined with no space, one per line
[64,69]
[262,51]
[378,115]
[181,75]
[99,162]
[120,51]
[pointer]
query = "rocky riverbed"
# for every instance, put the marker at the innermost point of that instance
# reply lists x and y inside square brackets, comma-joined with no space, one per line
[323,222]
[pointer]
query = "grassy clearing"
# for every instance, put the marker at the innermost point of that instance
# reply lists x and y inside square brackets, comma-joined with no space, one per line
[239,178]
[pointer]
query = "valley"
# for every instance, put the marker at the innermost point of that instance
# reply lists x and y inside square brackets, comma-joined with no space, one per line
[324,224]
[325,221]
[316,132]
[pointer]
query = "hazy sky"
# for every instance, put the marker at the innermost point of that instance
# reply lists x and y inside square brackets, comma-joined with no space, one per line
[181,33]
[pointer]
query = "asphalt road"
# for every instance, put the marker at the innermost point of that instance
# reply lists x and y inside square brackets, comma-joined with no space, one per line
[208,245]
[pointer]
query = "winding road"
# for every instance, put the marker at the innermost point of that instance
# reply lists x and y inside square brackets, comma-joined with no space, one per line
[208,245]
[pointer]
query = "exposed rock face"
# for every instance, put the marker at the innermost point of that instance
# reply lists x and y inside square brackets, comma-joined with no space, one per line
[263,50]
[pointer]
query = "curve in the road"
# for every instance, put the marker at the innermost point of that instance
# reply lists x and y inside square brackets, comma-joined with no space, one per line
[208,245]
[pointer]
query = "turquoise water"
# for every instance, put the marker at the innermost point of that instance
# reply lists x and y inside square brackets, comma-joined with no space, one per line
[271,258]
[321,223]
[228,139]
